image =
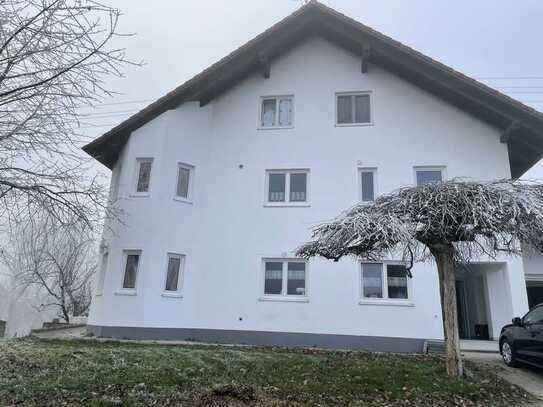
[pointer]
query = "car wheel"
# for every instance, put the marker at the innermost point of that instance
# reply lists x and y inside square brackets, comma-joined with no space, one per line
[507,353]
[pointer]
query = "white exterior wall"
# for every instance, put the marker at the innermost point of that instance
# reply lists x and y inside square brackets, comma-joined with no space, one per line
[227,230]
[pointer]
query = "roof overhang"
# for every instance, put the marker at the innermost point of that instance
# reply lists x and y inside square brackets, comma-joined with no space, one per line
[521,126]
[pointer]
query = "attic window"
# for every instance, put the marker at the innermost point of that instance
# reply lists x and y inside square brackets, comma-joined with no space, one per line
[353,109]
[276,112]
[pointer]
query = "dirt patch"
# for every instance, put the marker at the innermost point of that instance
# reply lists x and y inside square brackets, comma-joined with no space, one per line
[231,395]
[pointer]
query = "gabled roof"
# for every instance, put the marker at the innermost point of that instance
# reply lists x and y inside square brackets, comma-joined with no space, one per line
[521,125]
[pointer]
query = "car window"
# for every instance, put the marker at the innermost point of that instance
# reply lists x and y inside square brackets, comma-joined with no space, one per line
[535,316]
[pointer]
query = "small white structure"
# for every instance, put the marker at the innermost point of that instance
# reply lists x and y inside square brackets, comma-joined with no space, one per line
[20,310]
[224,177]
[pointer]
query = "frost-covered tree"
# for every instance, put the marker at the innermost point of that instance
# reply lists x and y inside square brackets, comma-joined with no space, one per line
[54,260]
[451,222]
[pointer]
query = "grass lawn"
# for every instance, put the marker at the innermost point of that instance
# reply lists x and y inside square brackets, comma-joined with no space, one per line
[37,372]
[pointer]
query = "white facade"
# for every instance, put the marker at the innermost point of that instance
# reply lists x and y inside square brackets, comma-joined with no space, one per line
[225,229]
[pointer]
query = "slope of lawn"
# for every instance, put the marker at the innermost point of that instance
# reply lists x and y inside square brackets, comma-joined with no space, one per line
[37,372]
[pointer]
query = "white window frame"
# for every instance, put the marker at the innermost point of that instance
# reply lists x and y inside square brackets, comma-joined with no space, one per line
[372,170]
[441,168]
[135,192]
[283,297]
[125,254]
[189,198]
[276,124]
[102,273]
[287,201]
[180,278]
[407,302]
[357,93]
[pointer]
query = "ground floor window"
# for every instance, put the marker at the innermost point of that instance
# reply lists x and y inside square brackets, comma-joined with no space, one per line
[384,281]
[174,273]
[2,329]
[131,266]
[286,278]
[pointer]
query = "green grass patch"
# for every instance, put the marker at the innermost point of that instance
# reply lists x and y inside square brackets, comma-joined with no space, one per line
[37,372]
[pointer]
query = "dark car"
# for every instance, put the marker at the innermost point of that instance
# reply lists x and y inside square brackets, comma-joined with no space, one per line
[522,341]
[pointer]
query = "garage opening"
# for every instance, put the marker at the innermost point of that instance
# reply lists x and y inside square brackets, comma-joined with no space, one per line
[534,289]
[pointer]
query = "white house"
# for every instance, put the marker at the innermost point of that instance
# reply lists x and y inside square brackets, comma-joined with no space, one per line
[223,178]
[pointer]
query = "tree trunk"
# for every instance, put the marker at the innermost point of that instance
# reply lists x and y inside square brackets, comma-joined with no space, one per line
[444,255]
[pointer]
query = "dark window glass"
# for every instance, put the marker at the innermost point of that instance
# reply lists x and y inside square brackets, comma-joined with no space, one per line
[372,278]
[397,281]
[296,278]
[273,278]
[362,109]
[268,112]
[428,176]
[172,277]
[535,316]
[183,178]
[368,193]
[131,270]
[276,187]
[298,187]
[285,112]
[144,176]
[344,109]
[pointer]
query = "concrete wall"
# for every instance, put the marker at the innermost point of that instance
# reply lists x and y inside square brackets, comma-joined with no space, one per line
[227,230]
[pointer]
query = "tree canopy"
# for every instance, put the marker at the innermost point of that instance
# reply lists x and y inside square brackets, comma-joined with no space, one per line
[55,59]
[478,218]
[452,222]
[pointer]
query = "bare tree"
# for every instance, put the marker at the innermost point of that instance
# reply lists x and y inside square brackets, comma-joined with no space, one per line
[451,222]
[56,258]
[55,56]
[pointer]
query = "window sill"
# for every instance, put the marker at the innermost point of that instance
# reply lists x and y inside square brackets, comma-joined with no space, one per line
[275,128]
[129,293]
[354,124]
[283,299]
[387,302]
[287,205]
[182,200]
[171,295]
[98,294]
[139,195]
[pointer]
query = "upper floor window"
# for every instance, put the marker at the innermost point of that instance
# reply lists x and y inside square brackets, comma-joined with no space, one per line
[143,175]
[384,281]
[131,267]
[353,108]
[287,186]
[184,181]
[285,278]
[174,274]
[276,111]
[428,175]
[368,184]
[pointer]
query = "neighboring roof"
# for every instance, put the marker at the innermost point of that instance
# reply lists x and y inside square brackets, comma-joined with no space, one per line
[522,126]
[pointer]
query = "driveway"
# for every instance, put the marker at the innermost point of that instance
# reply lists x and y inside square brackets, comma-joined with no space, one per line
[530,379]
